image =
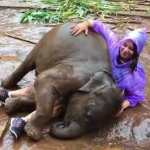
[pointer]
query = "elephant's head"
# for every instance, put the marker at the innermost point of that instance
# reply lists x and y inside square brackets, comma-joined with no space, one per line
[96,102]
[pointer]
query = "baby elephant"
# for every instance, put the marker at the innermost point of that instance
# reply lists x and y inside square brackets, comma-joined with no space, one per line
[64,64]
[91,107]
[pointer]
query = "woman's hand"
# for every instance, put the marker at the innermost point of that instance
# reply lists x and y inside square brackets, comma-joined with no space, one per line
[125,104]
[80,27]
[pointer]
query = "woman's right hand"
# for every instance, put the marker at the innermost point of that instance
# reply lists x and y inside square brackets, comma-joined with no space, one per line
[79,28]
[125,104]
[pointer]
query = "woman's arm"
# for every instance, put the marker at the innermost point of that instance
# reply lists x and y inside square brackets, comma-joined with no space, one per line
[125,104]
[98,27]
[135,86]
[81,27]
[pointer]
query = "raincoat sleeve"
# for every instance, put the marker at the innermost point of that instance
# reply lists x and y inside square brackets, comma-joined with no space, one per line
[105,31]
[135,88]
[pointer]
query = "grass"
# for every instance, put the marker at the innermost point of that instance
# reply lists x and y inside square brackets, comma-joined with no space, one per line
[67,10]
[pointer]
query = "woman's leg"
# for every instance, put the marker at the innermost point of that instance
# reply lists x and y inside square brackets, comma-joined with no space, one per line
[17,125]
[21,92]
[4,93]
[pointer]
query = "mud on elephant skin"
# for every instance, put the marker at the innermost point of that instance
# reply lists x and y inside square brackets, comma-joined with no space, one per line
[94,105]
[63,64]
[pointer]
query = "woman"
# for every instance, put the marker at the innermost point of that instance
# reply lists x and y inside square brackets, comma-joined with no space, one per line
[124,54]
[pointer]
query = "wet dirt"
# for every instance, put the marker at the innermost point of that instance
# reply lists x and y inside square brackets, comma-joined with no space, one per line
[131,131]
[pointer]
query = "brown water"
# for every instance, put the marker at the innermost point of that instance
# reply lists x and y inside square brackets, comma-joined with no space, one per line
[131,132]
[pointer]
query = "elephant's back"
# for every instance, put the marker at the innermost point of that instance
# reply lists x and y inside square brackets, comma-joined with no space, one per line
[59,46]
[92,47]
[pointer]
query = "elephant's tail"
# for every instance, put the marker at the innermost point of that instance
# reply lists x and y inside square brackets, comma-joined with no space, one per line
[62,130]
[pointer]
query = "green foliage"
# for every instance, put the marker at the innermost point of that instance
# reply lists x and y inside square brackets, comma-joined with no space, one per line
[37,16]
[70,9]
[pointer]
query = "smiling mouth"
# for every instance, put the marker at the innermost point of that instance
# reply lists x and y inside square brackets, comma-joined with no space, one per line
[126,55]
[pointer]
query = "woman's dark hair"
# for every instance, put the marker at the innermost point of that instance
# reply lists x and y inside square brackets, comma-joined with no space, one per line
[134,59]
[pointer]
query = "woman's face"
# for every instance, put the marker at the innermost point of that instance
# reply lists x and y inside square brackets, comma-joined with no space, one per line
[127,50]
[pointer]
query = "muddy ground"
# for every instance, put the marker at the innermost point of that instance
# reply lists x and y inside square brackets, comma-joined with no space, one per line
[131,130]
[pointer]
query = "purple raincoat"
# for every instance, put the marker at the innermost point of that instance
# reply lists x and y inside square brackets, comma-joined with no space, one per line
[131,83]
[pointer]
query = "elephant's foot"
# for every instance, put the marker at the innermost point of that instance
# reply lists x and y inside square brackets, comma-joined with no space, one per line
[33,132]
[7,83]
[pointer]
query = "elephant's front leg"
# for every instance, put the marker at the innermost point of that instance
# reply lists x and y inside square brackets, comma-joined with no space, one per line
[50,86]
[45,98]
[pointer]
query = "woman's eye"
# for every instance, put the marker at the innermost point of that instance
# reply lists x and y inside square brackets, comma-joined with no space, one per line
[125,45]
[131,48]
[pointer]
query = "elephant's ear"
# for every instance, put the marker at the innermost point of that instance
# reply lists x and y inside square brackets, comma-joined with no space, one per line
[92,83]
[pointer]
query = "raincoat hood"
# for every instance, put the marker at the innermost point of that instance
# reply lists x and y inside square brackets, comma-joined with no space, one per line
[132,83]
[138,36]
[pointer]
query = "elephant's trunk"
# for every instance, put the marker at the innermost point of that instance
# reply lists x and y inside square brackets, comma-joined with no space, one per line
[62,130]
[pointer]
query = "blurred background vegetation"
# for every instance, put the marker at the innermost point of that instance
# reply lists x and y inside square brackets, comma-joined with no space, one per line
[61,11]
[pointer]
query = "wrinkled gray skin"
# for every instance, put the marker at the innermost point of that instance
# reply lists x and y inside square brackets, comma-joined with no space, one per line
[63,64]
[93,106]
